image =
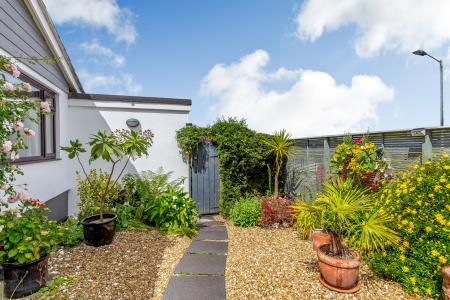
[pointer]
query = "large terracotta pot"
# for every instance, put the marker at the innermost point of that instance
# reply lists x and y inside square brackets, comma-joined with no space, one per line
[339,274]
[320,238]
[446,282]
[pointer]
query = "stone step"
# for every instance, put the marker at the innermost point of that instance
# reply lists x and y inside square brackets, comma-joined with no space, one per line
[208,247]
[204,264]
[215,235]
[195,288]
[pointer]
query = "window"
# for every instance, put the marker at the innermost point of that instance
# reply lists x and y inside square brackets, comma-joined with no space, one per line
[42,146]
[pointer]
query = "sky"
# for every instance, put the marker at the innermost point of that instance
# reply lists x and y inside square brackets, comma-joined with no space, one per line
[313,67]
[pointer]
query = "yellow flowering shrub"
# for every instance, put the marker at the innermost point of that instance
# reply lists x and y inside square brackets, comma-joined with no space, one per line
[360,160]
[419,201]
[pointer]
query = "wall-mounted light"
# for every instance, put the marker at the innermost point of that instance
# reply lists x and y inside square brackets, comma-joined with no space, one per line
[132,123]
[418,132]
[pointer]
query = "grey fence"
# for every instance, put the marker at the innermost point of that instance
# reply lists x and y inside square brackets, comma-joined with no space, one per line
[309,166]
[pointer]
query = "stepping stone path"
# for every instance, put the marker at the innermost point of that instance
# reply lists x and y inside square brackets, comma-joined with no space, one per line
[200,273]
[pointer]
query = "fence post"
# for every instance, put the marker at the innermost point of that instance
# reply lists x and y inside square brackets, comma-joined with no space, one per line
[427,149]
[326,157]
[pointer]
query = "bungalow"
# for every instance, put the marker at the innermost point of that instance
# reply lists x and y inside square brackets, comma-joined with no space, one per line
[27,30]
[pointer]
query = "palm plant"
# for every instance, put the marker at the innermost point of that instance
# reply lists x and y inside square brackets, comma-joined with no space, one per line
[347,213]
[280,146]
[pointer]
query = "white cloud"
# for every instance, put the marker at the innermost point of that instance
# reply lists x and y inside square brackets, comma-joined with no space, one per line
[313,104]
[382,25]
[111,84]
[97,13]
[95,48]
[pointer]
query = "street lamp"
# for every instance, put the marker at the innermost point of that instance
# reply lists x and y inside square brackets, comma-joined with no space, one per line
[423,53]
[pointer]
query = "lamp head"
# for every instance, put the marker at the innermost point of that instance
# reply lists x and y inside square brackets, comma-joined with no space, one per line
[420,52]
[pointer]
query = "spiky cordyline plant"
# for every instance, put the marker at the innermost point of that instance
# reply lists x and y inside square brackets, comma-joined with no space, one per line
[347,213]
[280,146]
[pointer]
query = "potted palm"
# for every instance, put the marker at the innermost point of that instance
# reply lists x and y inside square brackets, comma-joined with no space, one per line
[114,148]
[347,213]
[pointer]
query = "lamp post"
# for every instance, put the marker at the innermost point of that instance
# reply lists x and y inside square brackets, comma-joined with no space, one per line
[441,69]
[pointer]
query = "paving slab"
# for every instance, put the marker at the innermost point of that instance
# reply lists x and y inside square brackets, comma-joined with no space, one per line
[202,264]
[195,288]
[208,247]
[214,235]
[212,228]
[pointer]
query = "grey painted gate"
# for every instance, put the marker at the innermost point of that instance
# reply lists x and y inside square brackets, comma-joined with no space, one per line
[204,179]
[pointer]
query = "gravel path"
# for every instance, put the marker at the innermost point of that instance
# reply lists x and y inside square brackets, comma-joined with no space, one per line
[137,265]
[277,264]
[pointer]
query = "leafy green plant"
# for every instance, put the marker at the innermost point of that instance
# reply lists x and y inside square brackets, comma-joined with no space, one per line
[361,161]
[418,201]
[52,288]
[246,212]
[242,158]
[112,148]
[25,232]
[88,191]
[67,234]
[174,212]
[347,212]
[280,146]
[128,218]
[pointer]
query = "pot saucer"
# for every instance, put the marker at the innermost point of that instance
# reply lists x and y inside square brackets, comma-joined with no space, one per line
[330,287]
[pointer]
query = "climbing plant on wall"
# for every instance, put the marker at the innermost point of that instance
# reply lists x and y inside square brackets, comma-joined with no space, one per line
[242,159]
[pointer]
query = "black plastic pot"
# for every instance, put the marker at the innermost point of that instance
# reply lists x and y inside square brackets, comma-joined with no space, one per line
[24,280]
[99,232]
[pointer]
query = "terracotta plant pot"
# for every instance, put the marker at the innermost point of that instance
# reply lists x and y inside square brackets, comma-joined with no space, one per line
[446,282]
[26,279]
[339,274]
[320,238]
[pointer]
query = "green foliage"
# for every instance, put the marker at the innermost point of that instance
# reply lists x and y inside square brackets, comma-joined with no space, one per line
[52,288]
[128,217]
[419,203]
[15,107]
[174,212]
[88,191]
[242,158]
[25,232]
[280,146]
[112,148]
[69,233]
[347,212]
[246,212]
[361,161]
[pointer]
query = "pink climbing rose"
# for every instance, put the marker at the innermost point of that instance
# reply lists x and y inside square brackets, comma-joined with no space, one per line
[45,106]
[26,87]
[14,156]
[7,146]
[29,132]
[8,87]
[18,125]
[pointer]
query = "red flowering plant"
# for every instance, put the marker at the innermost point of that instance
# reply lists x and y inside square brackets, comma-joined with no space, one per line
[25,232]
[361,161]
[276,212]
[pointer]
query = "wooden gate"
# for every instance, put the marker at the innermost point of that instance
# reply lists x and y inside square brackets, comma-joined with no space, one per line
[204,179]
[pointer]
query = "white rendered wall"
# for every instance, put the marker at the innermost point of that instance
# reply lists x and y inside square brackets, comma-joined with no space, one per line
[86,117]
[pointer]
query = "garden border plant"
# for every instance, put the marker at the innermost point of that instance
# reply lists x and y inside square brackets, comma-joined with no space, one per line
[112,148]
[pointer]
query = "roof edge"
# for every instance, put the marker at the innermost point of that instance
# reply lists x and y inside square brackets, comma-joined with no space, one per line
[135,99]
[65,64]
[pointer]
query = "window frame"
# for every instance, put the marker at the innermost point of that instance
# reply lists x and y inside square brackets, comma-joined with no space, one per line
[44,93]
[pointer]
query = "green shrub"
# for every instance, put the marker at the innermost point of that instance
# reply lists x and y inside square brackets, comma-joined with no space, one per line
[246,212]
[242,159]
[69,233]
[89,203]
[174,212]
[419,202]
[129,217]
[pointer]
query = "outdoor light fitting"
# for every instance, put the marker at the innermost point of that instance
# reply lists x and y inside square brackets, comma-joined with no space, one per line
[133,123]
[420,52]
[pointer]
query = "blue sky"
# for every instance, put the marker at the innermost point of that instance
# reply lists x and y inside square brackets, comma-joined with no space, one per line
[314,67]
